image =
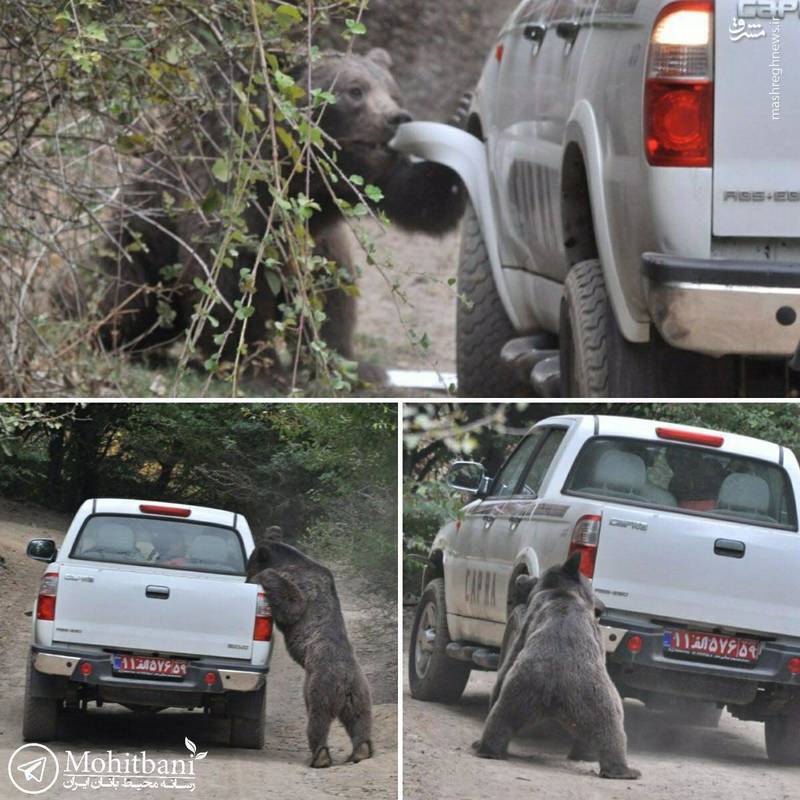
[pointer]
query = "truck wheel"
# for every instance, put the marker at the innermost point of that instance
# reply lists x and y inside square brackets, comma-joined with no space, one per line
[482,326]
[513,626]
[40,715]
[249,731]
[432,674]
[597,360]
[782,734]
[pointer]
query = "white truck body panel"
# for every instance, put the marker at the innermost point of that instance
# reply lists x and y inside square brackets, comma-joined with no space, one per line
[105,605]
[548,99]
[653,562]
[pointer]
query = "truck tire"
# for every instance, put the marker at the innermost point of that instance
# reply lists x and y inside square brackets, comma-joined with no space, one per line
[249,732]
[40,715]
[432,674]
[597,360]
[782,735]
[482,325]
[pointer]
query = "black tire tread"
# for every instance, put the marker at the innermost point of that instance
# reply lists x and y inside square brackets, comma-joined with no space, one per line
[446,678]
[482,325]
[588,308]
[782,737]
[40,715]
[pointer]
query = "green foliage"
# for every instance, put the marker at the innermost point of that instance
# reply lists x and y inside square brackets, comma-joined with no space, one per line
[327,474]
[93,90]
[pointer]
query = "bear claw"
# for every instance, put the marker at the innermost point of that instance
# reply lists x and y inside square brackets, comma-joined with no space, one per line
[321,759]
[363,751]
[624,774]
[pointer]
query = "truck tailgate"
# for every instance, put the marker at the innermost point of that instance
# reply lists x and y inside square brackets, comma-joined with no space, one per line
[757,123]
[664,564]
[165,611]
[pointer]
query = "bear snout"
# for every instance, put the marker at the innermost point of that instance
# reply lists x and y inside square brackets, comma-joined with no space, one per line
[397,118]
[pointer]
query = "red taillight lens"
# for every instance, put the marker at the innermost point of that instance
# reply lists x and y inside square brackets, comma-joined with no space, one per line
[679,91]
[680,124]
[262,632]
[46,603]
[210,678]
[86,668]
[167,511]
[499,52]
[794,666]
[634,644]
[585,538]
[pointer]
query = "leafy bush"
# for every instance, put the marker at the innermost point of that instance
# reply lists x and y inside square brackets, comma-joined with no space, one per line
[91,91]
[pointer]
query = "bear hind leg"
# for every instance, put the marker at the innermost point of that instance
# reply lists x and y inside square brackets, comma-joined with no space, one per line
[606,730]
[508,714]
[356,716]
[319,725]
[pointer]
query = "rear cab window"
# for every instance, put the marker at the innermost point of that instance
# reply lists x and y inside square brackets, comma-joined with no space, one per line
[162,543]
[684,479]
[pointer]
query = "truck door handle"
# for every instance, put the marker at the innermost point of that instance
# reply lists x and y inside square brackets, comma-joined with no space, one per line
[157,592]
[729,547]
[535,35]
[513,523]
[569,32]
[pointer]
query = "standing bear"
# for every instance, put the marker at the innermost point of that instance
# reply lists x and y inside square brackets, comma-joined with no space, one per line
[306,609]
[556,668]
[173,249]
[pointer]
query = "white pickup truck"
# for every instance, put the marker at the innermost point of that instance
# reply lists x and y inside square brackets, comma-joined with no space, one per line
[690,538]
[634,222]
[146,605]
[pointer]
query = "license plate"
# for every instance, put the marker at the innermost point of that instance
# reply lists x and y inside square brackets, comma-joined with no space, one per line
[713,645]
[149,665]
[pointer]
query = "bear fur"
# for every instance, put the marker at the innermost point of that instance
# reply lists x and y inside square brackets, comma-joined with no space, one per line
[422,196]
[556,667]
[306,609]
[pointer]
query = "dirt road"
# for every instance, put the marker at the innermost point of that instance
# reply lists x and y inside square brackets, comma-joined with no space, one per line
[278,771]
[676,761]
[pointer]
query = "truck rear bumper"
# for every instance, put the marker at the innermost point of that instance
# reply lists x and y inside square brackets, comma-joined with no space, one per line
[650,669]
[49,662]
[722,307]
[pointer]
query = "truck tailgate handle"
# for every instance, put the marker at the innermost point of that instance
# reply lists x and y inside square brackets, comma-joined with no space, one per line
[157,592]
[729,547]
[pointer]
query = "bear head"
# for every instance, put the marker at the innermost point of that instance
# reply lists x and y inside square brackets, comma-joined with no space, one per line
[565,580]
[292,581]
[367,112]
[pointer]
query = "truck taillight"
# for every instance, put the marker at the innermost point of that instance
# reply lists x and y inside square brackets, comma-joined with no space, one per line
[585,538]
[46,603]
[679,88]
[262,632]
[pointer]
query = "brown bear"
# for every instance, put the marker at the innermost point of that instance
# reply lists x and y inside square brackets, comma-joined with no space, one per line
[306,609]
[418,196]
[556,668]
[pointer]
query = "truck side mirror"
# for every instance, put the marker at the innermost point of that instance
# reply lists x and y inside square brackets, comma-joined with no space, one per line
[468,477]
[42,550]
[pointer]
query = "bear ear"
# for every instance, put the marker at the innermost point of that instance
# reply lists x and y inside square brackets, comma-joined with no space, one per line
[525,586]
[381,57]
[273,534]
[572,565]
[283,595]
